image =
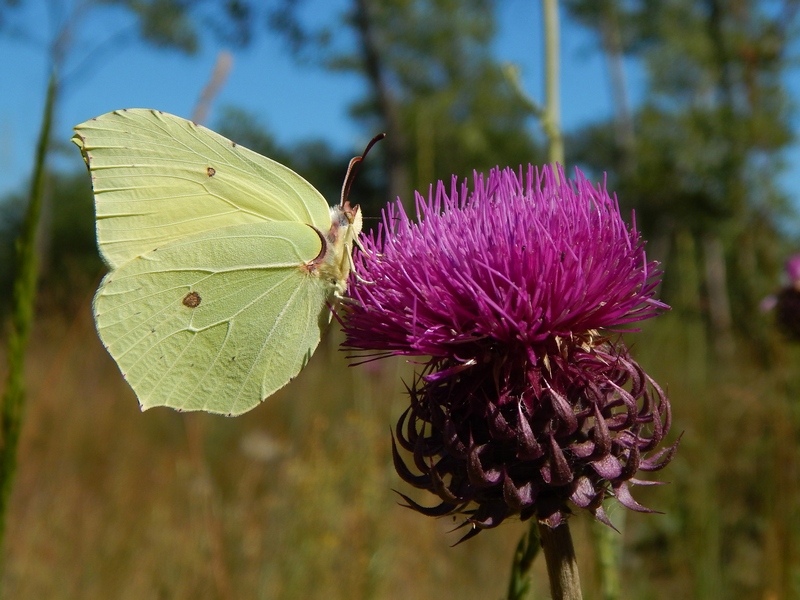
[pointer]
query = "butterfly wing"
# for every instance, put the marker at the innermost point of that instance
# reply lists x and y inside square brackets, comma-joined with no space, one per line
[216,321]
[157,178]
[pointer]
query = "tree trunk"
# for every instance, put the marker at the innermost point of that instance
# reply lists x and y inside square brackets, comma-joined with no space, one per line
[623,119]
[717,288]
[395,144]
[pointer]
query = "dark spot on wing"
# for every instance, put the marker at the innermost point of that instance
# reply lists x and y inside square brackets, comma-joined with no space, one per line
[211,171]
[192,300]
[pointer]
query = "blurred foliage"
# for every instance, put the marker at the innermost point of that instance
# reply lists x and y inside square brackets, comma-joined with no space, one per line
[71,265]
[731,527]
[11,213]
[71,47]
[434,86]
[69,262]
[456,110]
[702,168]
[178,24]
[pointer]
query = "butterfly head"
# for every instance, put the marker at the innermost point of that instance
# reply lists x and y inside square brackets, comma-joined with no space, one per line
[346,223]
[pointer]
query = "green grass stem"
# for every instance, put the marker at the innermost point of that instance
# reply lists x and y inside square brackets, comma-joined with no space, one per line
[23,302]
[519,584]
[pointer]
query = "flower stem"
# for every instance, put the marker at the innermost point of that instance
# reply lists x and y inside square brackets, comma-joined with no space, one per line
[562,566]
[549,115]
[519,583]
[608,550]
[552,120]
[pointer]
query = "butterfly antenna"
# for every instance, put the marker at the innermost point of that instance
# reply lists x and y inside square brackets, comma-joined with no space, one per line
[354,165]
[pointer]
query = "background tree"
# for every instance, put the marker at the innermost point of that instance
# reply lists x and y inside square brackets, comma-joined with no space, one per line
[434,86]
[703,173]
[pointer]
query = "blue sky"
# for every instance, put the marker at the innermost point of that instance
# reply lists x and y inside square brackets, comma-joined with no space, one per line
[295,101]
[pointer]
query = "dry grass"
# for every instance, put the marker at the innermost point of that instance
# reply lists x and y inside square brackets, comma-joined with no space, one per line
[732,522]
[294,500]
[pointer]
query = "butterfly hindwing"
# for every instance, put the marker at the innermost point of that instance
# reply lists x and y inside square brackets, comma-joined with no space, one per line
[216,321]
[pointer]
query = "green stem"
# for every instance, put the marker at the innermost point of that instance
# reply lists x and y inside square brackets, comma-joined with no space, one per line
[608,550]
[549,115]
[23,297]
[511,73]
[552,113]
[519,583]
[562,566]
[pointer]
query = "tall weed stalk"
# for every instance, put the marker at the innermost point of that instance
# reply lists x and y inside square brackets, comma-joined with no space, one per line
[22,309]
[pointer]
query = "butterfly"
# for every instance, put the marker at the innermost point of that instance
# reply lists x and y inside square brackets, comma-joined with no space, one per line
[224,265]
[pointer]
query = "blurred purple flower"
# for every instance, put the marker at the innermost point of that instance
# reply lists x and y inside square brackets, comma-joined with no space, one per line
[792,270]
[787,302]
[514,290]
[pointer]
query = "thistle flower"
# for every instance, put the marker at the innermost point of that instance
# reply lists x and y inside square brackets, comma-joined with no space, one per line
[787,301]
[515,291]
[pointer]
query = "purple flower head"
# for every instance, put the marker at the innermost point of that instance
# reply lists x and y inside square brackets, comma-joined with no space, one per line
[792,268]
[514,290]
[787,301]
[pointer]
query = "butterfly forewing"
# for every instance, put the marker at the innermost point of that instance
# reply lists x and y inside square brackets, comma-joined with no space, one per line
[157,178]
